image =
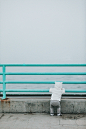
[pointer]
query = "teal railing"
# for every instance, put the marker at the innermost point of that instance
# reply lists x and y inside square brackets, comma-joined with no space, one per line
[4,73]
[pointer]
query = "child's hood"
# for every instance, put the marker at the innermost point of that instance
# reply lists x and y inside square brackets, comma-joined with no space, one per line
[58,85]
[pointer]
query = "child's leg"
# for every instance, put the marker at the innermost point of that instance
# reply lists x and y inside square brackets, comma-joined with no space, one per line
[59,109]
[51,109]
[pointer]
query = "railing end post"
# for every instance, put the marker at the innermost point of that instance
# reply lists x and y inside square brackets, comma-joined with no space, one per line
[4,95]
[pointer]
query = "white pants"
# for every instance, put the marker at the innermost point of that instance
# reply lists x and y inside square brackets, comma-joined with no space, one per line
[55,103]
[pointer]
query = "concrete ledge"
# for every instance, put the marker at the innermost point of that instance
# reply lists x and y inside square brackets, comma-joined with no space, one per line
[41,105]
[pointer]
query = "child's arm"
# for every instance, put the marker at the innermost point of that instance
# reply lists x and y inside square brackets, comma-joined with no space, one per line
[50,89]
[63,90]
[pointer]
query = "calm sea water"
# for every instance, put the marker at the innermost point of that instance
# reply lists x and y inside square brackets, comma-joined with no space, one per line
[44,77]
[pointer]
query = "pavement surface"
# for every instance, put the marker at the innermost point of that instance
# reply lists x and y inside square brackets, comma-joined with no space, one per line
[42,121]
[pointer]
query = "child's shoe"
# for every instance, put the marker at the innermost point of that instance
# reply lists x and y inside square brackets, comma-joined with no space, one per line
[59,114]
[51,114]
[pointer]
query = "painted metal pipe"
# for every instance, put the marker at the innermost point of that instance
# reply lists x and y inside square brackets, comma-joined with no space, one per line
[1,90]
[43,90]
[44,65]
[27,90]
[1,82]
[75,90]
[44,82]
[4,84]
[80,73]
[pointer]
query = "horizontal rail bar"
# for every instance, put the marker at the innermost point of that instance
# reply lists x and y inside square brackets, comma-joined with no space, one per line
[27,90]
[73,90]
[1,73]
[83,73]
[44,65]
[41,90]
[44,82]
[1,82]
[1,65]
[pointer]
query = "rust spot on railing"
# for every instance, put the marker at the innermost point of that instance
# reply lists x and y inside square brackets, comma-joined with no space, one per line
[7,100]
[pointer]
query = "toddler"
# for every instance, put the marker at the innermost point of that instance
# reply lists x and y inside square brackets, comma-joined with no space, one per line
[57,91]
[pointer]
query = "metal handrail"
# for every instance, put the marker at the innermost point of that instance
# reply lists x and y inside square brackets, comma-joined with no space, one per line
[43,65]
[4,82]
[65,73]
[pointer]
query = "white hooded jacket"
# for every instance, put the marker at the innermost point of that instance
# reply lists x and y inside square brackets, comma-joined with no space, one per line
[57,91]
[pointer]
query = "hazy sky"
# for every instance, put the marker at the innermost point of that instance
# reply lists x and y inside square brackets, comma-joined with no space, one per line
[42,31]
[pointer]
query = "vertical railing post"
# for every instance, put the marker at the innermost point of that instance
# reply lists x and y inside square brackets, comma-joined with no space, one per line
[4,85]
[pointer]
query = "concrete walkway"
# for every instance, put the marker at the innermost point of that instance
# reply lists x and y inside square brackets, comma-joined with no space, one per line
[42,121]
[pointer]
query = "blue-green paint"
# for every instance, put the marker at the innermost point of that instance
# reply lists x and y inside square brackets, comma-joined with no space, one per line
[41,90]
[4,82]
[27,90]
[69,73]
[44,82]
[1,90]
[1,73]
[1,82]
[44,65]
